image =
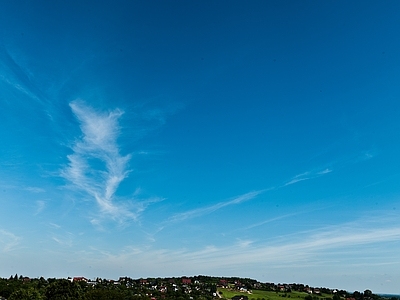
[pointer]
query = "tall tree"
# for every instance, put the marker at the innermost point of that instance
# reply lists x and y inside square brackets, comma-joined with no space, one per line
[63,289]
[26,294]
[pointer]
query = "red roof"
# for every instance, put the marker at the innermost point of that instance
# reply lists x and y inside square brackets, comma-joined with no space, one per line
[80,279]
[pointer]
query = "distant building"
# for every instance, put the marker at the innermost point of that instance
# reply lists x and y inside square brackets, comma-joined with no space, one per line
[223,282]
[77,279]
[186,280]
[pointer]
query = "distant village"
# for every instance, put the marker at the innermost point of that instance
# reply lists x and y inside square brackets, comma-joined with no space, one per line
[187,283]
[177,288]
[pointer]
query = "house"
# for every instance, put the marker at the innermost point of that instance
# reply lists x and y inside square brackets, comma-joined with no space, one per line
[186,280]
[223,283]
[77,279]
[92,283]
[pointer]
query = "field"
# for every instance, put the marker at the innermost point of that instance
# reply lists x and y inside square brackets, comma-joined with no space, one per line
[268,295]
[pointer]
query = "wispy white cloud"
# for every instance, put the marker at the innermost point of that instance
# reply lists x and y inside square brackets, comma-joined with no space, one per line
[338,164]
[245,197]
[8,240]
[244,243]
[65,240]
[307,175]
[322,248]
[365,155]
[54,225]
[96,166]
[18,77]
[40,205]
[295,180]
[312,174]
[323,172]
[271,220]
[34,189]
[209,209]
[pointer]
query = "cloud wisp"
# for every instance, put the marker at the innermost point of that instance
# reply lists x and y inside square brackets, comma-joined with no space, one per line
[18,78]
[40,205]
[312,174]
[271,220]
[306,176]
[304,251]
[337,165]
[319,248]
[209,209]
[96,166]
[64,240]
[8,241]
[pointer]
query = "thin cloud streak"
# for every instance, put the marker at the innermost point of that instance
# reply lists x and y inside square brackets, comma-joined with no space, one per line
[209,209]
[248,196]
[319,243]
[306,250]
[306,176]
[65,240]
[360,157]
[8,241]
[293,181]
[315,173]
[18,78]
[326,171]
[96,166]
[271,220]
[35,189]
[40,205]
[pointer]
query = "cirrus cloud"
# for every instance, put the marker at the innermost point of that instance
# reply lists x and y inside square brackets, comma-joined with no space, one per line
[96,166]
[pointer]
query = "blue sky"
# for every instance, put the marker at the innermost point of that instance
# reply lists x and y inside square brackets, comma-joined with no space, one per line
[169,138]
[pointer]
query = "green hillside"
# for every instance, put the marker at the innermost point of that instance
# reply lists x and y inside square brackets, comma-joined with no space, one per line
[269,295]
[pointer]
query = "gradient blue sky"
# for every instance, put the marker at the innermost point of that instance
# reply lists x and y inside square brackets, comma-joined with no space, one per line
[168,138]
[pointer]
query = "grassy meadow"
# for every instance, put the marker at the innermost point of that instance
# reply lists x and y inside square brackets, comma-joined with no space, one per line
[270,295]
